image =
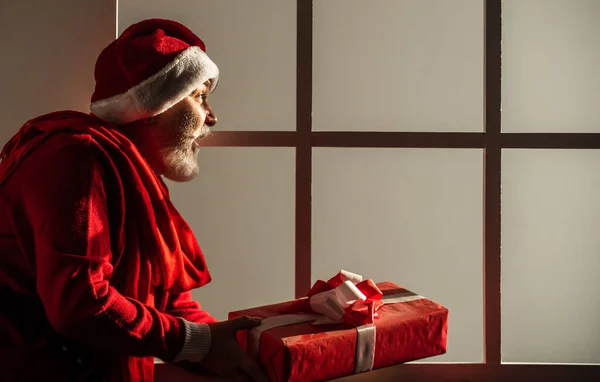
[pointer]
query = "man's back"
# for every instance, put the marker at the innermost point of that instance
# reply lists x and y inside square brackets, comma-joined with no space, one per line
[31,339]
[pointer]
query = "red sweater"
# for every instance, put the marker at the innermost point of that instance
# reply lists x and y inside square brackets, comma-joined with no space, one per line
[96,265]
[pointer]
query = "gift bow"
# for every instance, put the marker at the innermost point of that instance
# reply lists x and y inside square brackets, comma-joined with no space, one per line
[343,298]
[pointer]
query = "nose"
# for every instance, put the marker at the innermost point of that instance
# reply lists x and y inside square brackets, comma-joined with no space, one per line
[211,117]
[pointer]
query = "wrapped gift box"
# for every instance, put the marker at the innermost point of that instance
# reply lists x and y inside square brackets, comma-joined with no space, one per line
[305,340]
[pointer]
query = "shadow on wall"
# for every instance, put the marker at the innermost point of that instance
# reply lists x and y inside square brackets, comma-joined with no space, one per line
[52,47]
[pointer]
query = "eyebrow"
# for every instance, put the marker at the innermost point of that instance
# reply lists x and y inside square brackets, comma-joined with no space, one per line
[207,83]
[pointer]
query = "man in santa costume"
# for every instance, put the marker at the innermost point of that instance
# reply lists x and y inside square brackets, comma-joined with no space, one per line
[96,264]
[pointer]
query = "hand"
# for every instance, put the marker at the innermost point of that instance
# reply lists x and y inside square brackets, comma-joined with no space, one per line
[226,357]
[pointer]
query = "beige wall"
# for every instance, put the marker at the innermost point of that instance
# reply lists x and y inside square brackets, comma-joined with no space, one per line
[393,65]
[48,53]
[550,261]
[551,56]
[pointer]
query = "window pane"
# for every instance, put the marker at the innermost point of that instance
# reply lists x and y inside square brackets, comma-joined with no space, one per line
[241,208]
[398,65]
[550,61]
[411,216]
[254,45]
[550,262]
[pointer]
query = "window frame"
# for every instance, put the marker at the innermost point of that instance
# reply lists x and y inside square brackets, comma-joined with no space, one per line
[492,140]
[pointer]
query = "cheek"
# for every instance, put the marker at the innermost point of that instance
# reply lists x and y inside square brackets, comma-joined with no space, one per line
[189,120]
[179,124]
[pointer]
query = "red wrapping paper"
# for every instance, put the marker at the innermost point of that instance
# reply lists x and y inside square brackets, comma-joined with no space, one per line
[405,331]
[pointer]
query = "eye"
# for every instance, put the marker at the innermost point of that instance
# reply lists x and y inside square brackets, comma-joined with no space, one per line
[199,95]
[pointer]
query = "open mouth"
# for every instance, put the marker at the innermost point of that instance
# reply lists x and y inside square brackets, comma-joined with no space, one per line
[204,131]
[198,139]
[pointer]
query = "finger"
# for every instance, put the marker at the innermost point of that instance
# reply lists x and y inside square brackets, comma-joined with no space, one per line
[245,322]
[252,369]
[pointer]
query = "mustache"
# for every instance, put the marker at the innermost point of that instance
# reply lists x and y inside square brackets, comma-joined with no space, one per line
[204,131]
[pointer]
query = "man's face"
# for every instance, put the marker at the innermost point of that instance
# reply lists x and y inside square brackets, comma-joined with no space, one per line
[169,140]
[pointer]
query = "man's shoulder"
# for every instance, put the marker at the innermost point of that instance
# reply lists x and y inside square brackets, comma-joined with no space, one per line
[50,133]
[76,142]
[72,149]
[62,153]
[66,145]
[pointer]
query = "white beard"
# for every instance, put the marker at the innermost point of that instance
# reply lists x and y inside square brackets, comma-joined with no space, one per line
[181,164]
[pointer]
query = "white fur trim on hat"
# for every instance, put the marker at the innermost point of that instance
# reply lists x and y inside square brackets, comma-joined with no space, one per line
[156,94]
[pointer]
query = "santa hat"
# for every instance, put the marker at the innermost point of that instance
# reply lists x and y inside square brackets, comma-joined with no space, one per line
[153,65]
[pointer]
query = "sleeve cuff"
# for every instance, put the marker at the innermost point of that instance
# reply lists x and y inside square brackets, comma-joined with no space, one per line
[197,342]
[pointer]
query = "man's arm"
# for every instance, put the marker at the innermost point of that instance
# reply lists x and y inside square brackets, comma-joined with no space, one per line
[183,305]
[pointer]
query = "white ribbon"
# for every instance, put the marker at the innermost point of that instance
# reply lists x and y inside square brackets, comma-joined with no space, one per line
[253,338]
[365,348]
[366,334]
[400,297]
